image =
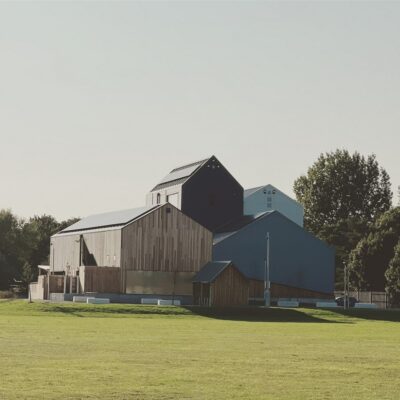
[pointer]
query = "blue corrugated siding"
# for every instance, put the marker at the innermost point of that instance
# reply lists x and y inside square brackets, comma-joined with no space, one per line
[297,258]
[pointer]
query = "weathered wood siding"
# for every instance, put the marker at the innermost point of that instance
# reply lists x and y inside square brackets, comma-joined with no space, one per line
[100,279]
[282,291]
[103,246]
[64,251]
[230,288]
[165,241]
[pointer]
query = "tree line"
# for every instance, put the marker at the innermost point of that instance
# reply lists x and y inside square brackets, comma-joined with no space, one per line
[25,244]
[347,201]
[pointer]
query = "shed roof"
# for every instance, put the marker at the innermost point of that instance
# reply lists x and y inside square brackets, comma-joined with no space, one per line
[180,174]
[211,271]
[108,220]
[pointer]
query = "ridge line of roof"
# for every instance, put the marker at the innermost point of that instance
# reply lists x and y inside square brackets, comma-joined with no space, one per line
[190,165]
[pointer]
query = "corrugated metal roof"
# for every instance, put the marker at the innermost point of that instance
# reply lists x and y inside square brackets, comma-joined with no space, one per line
[115,218]
[180,174]
[211,271]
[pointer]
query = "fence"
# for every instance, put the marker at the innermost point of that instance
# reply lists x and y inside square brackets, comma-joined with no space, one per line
[378,298]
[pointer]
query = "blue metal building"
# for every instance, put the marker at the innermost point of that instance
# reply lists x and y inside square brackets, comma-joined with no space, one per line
[297,258]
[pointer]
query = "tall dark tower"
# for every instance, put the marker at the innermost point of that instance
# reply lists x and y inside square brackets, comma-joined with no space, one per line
[204,190]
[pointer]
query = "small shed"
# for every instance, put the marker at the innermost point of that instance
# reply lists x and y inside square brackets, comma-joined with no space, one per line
[220,283]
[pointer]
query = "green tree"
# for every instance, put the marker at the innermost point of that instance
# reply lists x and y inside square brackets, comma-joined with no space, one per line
[36,233]
[10,242]
[24,245]
[393,277]
[371,257]
[344,236]
[340,185]
[342,195]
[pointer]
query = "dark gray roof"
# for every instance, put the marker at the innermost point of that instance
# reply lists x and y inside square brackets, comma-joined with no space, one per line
[234,226]
[180,174]
[110,219]
[211,271]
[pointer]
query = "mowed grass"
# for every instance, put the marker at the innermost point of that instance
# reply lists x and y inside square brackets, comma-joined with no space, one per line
[66,351]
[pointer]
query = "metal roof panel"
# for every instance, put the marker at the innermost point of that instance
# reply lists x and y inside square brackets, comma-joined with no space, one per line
[114,218]
[210,271]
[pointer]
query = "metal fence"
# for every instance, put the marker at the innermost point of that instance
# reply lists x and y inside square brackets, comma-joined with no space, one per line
[378,298]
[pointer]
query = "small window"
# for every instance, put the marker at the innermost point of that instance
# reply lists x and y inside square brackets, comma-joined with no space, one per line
[158,198]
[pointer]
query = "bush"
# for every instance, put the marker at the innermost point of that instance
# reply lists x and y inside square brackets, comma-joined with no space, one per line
[7,294]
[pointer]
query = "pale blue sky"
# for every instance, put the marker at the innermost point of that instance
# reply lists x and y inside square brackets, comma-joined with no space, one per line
[98,101]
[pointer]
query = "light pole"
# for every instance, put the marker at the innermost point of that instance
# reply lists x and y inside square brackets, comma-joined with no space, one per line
[267,283]
[346,287]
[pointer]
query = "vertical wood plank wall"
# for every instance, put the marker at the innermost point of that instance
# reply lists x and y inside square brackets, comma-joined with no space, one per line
[230,288]
[100,279]
[163,241]
[105,246]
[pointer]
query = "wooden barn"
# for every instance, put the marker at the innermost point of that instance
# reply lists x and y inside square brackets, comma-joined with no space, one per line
[220,283]
[145,251]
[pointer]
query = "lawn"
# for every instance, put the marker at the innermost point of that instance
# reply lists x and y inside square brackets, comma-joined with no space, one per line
[65,351]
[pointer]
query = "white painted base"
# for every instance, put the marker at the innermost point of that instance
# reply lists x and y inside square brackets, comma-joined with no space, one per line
[81,299]
[169,302]
[149,301]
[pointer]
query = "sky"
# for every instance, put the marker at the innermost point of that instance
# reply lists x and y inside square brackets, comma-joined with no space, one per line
[100,100]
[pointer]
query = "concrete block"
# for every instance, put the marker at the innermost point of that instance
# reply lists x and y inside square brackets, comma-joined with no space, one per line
[169,302]
[81,299]
[145,300]
[97,300]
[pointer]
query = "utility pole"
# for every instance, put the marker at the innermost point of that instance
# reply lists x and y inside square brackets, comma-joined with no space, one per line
[267,283]
[346,287]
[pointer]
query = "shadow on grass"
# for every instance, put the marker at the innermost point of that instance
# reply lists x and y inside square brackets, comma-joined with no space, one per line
[114,309]
[373,315]
[259,314]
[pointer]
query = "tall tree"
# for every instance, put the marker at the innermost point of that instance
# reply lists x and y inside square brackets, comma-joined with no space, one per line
[342,195]
[393,277]
[340,185]
[24,245]
[10,246]
[371,257]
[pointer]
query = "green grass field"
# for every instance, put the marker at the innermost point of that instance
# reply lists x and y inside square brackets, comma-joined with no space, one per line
[65,351]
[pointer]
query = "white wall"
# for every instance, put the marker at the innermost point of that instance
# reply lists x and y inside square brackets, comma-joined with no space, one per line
[269,198]
[171,194]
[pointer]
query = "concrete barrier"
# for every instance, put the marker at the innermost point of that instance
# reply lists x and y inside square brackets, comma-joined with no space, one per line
[145,300]
[169,302]
[288,303]
[81,299]
[326,304]
[94,300]
[366,305]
